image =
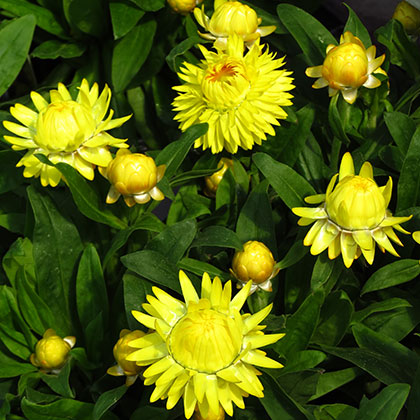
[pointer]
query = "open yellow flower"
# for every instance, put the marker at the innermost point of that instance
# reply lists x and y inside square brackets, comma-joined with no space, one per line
[52,351]
[65,130]
[121,350]
[353,216]
[231,17]
[239,96]
[134,176]
[183,7]
[202,350]
[347,67]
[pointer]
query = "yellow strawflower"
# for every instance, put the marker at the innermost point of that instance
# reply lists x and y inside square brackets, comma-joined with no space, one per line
[134,176]
[231,17]
[65,130]
[121,350]
[409,17]
[202,350]
[239,96]
[348,67]
[52,351]
[352,217]
[255,263]
[184,7]
[213,181]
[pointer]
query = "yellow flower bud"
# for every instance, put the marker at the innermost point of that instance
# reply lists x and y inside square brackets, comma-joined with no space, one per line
[211,416]
[256,263]
[409,16]
[134,176]
[121,350]
[51,352]
[213,181]
[183,7]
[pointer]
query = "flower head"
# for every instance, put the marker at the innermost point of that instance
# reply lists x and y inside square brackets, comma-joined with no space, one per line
[347,67]
[231,17]
[255,263]
[240,96]
[52,351]
[134,176]
[409,17]
[213,181]
[203,350]
[121,350]
[183,7]
[353,216]
[65,130]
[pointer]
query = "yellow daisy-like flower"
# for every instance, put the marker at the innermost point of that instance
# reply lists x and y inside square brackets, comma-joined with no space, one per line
[52,351]
[203,350]
[183,7]
[239,96]
[121,350]
[353,216]
[347,67]
[134,176]
[231,17]
[65,130]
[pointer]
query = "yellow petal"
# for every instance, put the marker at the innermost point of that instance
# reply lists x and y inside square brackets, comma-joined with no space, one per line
[188,290]
[323,239]
[381,238]
[240,298]
[315,71]
[252,321]
[160,366]
[310,213]
[190,400]
[346,166]
[254,358]
[348,248]
[366,171]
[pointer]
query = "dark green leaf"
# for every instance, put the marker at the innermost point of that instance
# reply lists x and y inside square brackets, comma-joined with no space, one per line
[87,199]
[107,400]
[384,306]
[392,274]
[301,360]
[173,155]
[10,367]
[413,405]
[293,256]
[402,129]
[386,405]
[53,49]
[326,272]
[336,120]
[124,16]
[150,5]
[218,236]
[10,176]
[356,27]
[179,50]
[60,383]
[199,267]
[312,37]
[335,412]
[127,57]
[15,40]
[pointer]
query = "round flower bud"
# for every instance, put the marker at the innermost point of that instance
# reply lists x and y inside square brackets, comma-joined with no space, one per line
[121,350]
[346,65]
[356,203]
[213,181]
[51,352]
[134,176]
[183,7]
[409,16]
[256,263]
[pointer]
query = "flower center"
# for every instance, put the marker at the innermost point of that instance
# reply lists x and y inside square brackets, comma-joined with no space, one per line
[64,126]
[356,204]
[205,341]
[346,66]
[222,73]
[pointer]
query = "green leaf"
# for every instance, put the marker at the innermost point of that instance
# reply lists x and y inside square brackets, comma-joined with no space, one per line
[255,221]
[52,49]
[176,53]
[301,325]
[57,247]
[402,129]
[218,236]
[300,386]
[326,272]
[288,184]
[413,406]
[336,120]
[278,404]
[335,412]
[174,153]
[409,182]
[60,383]
[124,16]
[335,318]
[107,400]
[43,17]
[356,27]
[301,360]
[153,266]
[174,241]
[91,294]
[88,17]
[147,222]
[127,57]
[10,176]
[386,405]
[293,256]
[150,5]
[15,40]
[398,272]
[312,37]
[87,199]
[383,306]
[10,368]
[199,268]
